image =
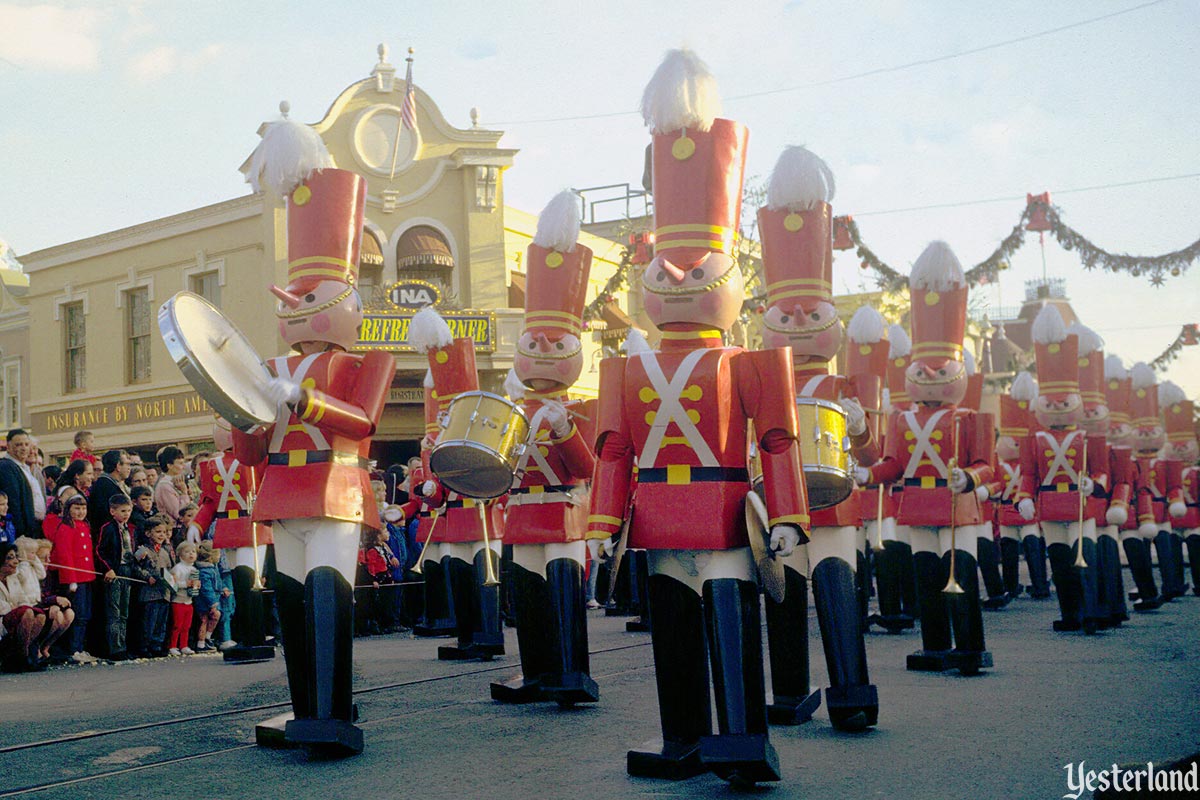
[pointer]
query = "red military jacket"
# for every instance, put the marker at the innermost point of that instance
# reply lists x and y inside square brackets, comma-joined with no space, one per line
[316,453]
[816,382]
[919,445]
[549,498]
[1051,466]
[226,489]
[681,414]
[1122,476]
[1004,490]
[1159,483]
[1190,486]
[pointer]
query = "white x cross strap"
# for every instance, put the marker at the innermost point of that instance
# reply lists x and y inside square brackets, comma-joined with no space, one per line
[532,451]
[923,444]
[229,490]
[284,414]
[1012,482]
[810,387]
[670,409]
[1061,460]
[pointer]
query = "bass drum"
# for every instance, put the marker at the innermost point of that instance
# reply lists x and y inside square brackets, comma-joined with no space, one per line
[483,436]
[824,451]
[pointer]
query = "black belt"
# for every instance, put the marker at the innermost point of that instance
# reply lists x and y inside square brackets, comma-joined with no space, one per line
[547,488]
[1071,487]
[938,483]
[236,514]
[697,475]
[319,457]
[459,503]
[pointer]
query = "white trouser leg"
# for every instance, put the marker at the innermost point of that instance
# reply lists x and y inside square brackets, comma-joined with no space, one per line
[252,557]
[1017,534]
[900,533]
[535,557]
[832,542]
[693,567]
[924,539]
[963,539]
[1060,532]
[465,551]
[302,545]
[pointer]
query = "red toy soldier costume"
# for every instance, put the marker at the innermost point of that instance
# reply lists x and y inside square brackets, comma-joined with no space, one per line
[1109,591]
[1057,463]
[459,534]
[227,490]
[682,415]
[316,491]
[798,268]
[1182,447]
[987,553]
[1178,454]
[438,618]
[1158,480]
[1016,532]
[547,507]
[939,455]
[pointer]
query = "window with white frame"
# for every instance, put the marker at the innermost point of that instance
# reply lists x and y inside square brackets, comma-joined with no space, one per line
[486,180]
[75,355]
[11,393]
[208,286]
[137,334]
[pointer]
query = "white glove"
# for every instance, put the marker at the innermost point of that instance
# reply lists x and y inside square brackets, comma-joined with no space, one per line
[1148,530]
[556,415]
[1177,510]
[982,494]
[393,514]
[958,481]
[784,539]
[856,418]
[428,488]
[1116,515]
[1087,486]
[608,547]
[1026,509]
[193,534]
[73,587]
[862,476]
[281,390]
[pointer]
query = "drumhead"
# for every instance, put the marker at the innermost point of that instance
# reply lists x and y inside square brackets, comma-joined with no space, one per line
[217,359]
[816,401]
[471,469]
[827,486]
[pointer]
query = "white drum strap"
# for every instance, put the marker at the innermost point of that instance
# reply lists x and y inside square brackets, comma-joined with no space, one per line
[1012,481]
[229,489]
[532,451]
[923,444]
[811,386]
[283,416]
[671,410]
[1061,462]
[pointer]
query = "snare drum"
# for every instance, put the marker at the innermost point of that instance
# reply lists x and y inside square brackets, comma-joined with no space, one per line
[483,436]
[824,452]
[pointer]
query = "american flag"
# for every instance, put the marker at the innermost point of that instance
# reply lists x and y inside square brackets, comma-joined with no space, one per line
[408,110]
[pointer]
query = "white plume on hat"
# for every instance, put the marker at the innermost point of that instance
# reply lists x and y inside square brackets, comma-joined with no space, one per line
[867,326]
[513,386]
[636,344]
[1169,394]
[899,343]
[428,382]
[1024,387]
[558,224]
[800,180]
[1114,369]
[968,361]
[937,269]
[682,94]
[1089,340]
[1048,326]
[288,153]
[428,331]
[1142,375]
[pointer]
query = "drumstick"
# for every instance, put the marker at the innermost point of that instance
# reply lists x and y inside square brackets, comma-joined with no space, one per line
[577,415]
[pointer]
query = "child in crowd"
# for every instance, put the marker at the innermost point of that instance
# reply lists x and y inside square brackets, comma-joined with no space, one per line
[114,557]
[8,532]
[185,580]
[228,605]
[85,446]
[155,562]
[76,571]
[143,509]
[207,603]
[378,561]
[29,584]
[185,529]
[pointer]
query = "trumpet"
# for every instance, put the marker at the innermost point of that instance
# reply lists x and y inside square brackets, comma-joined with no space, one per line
[1080,561]
[490,578]
[420,567]
[952,586]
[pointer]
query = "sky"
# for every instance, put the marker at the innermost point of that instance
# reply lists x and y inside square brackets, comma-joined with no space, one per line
[114,113]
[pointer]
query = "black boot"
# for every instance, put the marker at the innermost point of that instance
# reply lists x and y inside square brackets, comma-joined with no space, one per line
[464,586]
[246,627]
[1010,566]
[863,588]
[535,631]
[852,700]
[935,616]
[989,566]
[489,638]
[1166,565]
[1193,546]
[970,652]
[293,628]
[439,602]
[1094,616]
[1177,563]
[620,602]
[1137,553]
[639,573]
[1035,561]
[741,751]
[569,682]
[1068,587]
[1110,583]
[787,637]
[681,675]
[329,621]
[889,578]
[910,601]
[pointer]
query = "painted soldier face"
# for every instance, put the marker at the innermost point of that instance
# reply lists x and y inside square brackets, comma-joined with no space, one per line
[548,360]
[1149,438]
[1186,451]
[707,293]
[942,383]
[222,435]
[1061,412]
[1095,418]
[1120,434]
[329,312]
[814,334]
[1007,448]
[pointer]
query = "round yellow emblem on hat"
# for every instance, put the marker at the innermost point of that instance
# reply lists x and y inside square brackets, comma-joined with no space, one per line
[683,148]
[793,222]
[441,357]
[932,298]
[302,195]
[554,259]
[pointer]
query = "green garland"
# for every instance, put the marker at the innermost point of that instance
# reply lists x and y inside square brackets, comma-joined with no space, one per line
[618,281]
[1187,336]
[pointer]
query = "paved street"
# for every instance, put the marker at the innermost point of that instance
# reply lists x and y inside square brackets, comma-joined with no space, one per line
[1126,696]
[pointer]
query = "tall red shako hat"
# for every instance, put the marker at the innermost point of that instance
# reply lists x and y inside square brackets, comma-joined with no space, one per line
[794,229]
[899,355]
[973,399]
[1091,365]
[451,361]
[1143,406]
[1057,354]
[1016,407]
[1176,412]
[1118,391]
[938,291]
[867,354]
[557,268]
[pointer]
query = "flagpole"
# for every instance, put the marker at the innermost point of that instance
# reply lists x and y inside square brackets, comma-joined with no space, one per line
[400,119]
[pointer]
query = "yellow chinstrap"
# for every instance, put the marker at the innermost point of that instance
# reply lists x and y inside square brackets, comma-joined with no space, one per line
[701,289]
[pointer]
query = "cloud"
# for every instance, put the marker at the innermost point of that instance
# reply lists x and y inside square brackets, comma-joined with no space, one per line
[50,37]
[164,60]
[479,49]
[865,174]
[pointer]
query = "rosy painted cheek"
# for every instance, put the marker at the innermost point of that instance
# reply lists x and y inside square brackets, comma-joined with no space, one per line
[710,302]
[948,392]
[321,324]
[282,328]
[654,304]
[522,364]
